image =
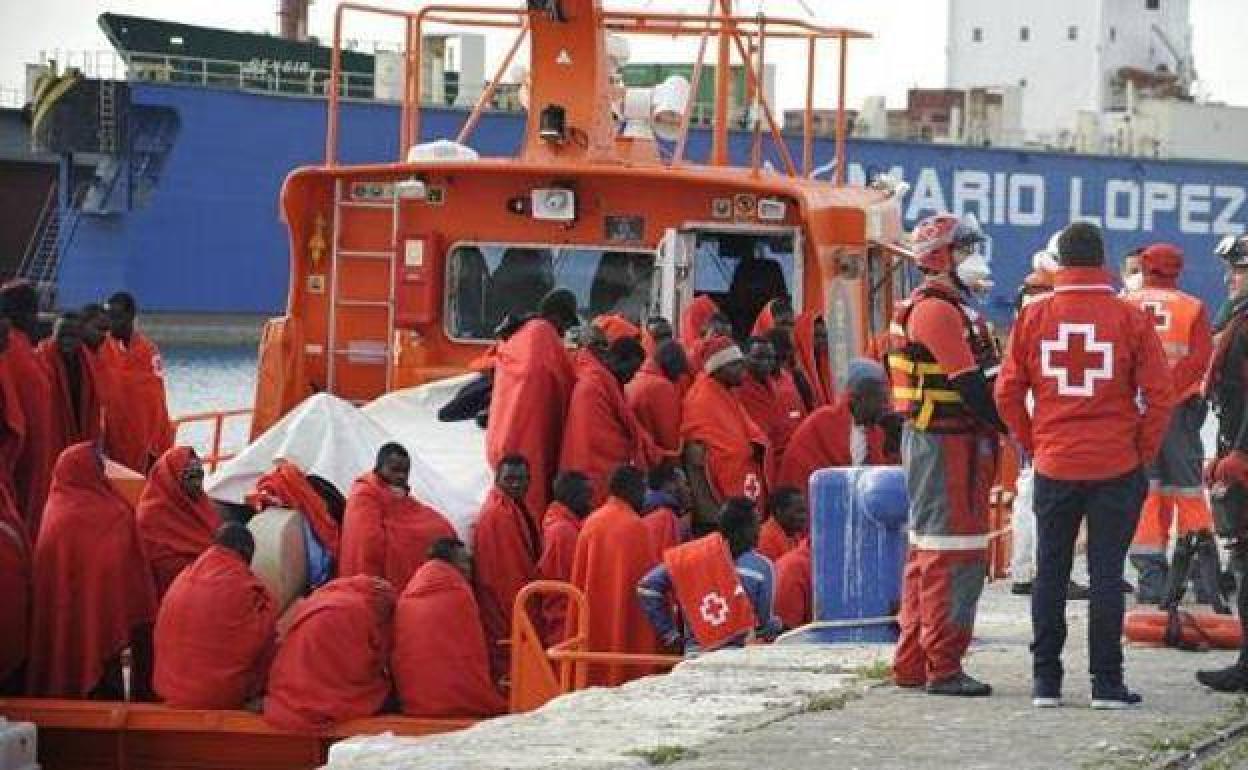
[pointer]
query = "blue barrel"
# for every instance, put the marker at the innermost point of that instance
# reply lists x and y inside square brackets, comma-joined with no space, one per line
[858,551]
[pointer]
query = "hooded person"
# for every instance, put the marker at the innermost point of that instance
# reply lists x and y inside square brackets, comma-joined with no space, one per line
[137,427]
[724,450]
[849,432]
[810,347]
[701,321]
[787,526]
[177,521]
[216,630]
[561,526]
[93,591]
[1176,495]
[601,432]
[759,393]
[533,379]
[792,389]
[654,394]
[19,304]
[617,327]
[440,662]
[776,314]
[331,663]
[76,403]
[613,552]
[386,532]
[506,546]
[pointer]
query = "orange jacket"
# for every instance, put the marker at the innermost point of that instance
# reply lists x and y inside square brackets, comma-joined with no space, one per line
[1183,326]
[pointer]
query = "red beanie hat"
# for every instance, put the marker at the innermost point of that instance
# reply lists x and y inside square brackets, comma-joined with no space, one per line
[1162,259]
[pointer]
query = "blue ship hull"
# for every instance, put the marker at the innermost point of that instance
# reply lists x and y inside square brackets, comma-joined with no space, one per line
[205,235]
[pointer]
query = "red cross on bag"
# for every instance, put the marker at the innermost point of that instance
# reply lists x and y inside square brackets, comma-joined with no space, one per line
[709,592]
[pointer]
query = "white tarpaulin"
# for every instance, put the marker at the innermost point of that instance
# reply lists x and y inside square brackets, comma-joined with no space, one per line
[330,438]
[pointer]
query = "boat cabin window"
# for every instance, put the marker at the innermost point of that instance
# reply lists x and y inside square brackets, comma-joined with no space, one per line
[743,271]
[488,281]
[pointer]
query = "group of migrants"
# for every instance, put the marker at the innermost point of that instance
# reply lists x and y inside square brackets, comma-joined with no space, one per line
[1102,393]
[666,476]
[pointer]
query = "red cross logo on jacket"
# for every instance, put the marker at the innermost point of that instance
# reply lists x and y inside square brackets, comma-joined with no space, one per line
[1076,359]
[1158,313]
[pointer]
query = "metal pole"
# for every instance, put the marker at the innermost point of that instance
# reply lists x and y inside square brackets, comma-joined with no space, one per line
[723,65]
[335,72]
[808,120]
[694,87]
[841,121]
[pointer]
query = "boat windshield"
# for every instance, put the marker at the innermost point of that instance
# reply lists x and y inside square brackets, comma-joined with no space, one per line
[488,281]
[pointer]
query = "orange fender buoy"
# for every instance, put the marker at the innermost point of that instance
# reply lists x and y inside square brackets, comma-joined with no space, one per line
[1198,629]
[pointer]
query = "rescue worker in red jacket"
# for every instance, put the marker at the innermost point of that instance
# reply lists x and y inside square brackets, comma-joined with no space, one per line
[1096,371]
[942,362]
[1175,488]
[1227,388]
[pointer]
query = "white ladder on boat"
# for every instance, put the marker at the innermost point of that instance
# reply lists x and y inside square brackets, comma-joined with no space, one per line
[345,350]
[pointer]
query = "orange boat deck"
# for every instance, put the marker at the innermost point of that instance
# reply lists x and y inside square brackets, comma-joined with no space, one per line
[86,735]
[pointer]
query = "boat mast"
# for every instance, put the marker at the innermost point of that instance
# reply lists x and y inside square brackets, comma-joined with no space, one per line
[723,65]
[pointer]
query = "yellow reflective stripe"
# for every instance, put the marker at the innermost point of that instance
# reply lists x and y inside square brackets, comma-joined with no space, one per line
[919,394]
[903,364]
[924,417]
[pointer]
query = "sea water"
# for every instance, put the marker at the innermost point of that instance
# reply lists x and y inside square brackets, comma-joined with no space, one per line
[208,378]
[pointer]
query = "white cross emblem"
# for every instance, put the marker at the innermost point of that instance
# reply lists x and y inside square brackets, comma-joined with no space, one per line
[714,609]
[1068,359]
[1158,313]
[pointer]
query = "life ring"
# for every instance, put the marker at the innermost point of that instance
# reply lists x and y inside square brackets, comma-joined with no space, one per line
[1196,629]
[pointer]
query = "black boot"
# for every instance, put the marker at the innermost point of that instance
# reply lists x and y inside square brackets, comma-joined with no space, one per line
[960,685]
[1230,679]
[1209,574]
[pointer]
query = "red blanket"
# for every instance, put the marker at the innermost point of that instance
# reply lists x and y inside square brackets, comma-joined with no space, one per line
[286,487]
[814,366]
[137,429]
[664,528]
[560,529]
[505,550]
[38,451]
[440,664]
[822,441]
[693,321]
[601,432]
[71,422]
[714,416]
[773,541]
[331,665]
[612,554]
[387,535]
[533,380]
[15,558]
[655,401]
[709,592]
[175,527]
[92,584]
[793,586]
[215,634]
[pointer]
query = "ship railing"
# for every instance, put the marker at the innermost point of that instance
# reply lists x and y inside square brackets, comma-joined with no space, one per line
[294,78]
[538,674]
[206,432]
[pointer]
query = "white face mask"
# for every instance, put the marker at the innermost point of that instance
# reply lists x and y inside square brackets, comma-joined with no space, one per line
[975,273]
[1134,282]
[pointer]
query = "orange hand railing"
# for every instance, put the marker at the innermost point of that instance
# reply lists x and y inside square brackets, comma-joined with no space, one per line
[214,456]
[539,675]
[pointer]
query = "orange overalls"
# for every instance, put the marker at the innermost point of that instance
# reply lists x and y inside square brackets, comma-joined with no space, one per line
[1175,488]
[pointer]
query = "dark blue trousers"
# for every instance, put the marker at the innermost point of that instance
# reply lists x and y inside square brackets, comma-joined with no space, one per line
[1112,508]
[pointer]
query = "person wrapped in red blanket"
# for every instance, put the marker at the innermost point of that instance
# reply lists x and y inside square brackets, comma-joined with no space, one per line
[177,521]
[561,526]
[76,403]
[137,427]
[216,631]
[386,532]
[93,589]
[440,662]
[331,664]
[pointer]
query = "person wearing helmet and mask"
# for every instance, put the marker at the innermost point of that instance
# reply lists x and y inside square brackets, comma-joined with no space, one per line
[1227,388]
[943,359]
[1094,368]
[1130,272]
[1175,488]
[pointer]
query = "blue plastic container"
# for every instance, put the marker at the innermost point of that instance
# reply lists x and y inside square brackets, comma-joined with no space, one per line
[858,550]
